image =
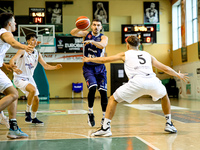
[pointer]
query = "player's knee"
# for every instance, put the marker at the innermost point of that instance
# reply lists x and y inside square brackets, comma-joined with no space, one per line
[92,89]
[14,96]
[103,93]
[33,90]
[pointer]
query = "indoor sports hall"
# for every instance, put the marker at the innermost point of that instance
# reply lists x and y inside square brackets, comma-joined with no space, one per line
[167,29]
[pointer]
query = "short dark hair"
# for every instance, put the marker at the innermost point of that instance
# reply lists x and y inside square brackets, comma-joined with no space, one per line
[5,18]
[97,20]
[133,40]
[30,35]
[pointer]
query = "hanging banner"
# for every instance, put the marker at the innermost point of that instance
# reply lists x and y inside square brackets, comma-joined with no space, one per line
[183,30]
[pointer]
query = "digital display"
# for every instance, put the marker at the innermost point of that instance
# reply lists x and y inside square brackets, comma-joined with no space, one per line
[37,15]
[145,32]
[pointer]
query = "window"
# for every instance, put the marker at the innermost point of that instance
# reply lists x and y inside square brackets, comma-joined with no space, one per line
[179,25]
[194,21]
[176,26]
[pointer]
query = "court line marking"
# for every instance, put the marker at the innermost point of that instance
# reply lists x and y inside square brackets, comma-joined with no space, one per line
[164,116]
[149,144]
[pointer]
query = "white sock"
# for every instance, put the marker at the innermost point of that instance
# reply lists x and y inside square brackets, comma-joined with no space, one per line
[104,113]
[106,123]
[2,115]
[28,108]
[168,118]
[91,110]
[33,114]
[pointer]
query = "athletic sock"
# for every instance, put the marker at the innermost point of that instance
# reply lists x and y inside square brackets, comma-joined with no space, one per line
[13,124]
[106,123]
[168,118]
[104,113]
[33,114]
[2,115]
[28,108]
[91,110]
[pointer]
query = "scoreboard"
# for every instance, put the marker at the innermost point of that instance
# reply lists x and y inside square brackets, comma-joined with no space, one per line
[37,15]
[145,32]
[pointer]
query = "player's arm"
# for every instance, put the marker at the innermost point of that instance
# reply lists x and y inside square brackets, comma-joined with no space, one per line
[101,60]
[47,66]
[102,44]
[8,38]
[79,33]
[147,12]
[7,67]
[13,60]
[16,56]
[168,69]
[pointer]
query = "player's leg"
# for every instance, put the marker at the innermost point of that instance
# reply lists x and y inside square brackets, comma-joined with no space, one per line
[34,112]
[92,86]
[110,111]
[102,87]
[14,131]
[167,112]
[157,91]
[31,93]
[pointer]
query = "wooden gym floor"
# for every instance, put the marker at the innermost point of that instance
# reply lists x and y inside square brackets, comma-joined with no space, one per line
[139,126]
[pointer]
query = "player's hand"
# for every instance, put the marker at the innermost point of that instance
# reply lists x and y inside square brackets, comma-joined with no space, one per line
[29,49]
[183,76]
[8,67]
[17,71]
[86,59]
[88,42]
[58,66]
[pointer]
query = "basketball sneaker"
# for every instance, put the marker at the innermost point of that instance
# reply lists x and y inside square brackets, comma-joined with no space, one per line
[170,128]
[5,121]
[14,134]
[28,117]
[91,121]
[102,132]
[37,122]
[102,120]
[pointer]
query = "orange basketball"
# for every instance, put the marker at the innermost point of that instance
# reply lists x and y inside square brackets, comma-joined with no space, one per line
[82,23]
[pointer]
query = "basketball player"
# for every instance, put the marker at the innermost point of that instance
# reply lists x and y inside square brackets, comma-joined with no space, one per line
[142,81]
[100,13]
[6,87]
[152,13]
[27,63]
[94,73]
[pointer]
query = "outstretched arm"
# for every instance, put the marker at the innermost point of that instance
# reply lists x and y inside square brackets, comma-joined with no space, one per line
[47,66]
[102,44]
[168,70]
[8,38]
[101,60]
[79,33]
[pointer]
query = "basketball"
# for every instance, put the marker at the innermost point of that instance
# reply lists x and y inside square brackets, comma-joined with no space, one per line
[82,23]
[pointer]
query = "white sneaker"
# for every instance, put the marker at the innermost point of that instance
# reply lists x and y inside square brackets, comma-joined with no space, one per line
[5,121]
[170,128]
[102,132]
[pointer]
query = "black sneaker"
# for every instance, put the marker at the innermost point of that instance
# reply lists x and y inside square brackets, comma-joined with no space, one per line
[37,122]
[91,121]
[28,117]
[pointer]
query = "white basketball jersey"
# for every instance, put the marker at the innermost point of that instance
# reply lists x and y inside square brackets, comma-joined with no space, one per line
[138,63]
[4,47]
[27,64]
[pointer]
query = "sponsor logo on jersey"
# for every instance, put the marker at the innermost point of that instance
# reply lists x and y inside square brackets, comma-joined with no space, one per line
[89,36]
[30,66]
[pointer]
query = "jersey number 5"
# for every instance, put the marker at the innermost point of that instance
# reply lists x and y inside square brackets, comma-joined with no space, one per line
[143,61]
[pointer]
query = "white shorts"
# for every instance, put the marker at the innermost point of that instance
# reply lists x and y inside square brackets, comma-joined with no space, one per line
[139,86]
[4,81]
[22,82]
